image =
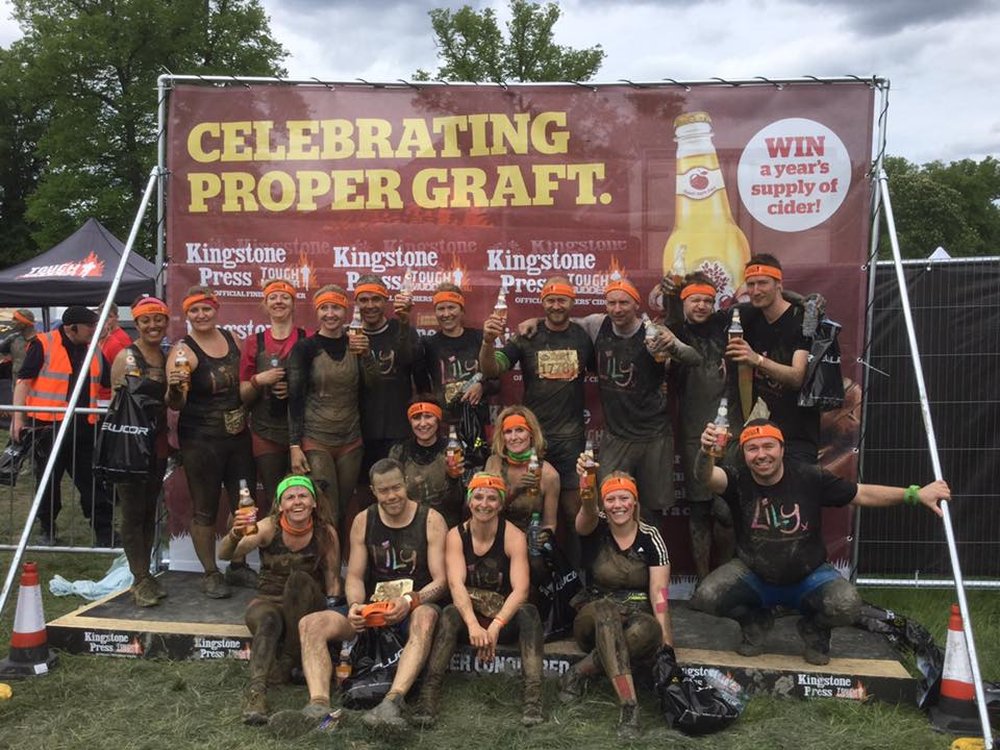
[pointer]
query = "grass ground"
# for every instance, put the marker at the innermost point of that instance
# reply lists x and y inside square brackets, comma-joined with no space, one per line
[92,702]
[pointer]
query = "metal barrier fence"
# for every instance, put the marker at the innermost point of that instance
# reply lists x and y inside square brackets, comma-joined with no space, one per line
[956,309]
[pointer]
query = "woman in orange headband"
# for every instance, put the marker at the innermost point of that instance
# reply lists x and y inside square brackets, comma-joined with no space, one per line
[487,562]
[145,361]
[431,478]
[626,617]
[264,385]
[325,375]
[204,386]
[516,436]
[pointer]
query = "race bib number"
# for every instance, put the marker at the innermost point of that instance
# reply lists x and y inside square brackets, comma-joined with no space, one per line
[558,364]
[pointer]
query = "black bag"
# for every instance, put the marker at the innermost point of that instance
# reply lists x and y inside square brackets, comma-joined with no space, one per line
[562,583]
[13,458]
[471,432]
[124,447]
[690,704]
[823,386]
[374,659]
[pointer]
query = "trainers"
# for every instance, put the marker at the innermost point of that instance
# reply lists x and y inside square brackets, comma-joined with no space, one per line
[753,631]
[816,640]
[144,593]
[255,707]
[385,714]
[291,724]
[157,588]
[628,722]
[572,686]
[213,585]
[531,715]
[241,575]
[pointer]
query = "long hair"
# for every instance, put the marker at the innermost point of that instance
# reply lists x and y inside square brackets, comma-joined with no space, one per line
[322,520]
[537,437]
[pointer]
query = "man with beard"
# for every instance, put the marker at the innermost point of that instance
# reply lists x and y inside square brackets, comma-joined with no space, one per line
[781,559]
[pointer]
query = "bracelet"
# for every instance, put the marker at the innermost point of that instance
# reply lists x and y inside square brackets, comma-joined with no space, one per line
[413,598]
[502,623]
[232,537]
[911,495]
[760,360]
[253,381]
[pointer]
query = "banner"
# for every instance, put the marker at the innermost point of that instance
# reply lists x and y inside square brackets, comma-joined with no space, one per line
[490,186]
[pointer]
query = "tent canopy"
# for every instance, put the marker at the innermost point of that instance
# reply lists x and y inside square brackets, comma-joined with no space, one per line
[77,271]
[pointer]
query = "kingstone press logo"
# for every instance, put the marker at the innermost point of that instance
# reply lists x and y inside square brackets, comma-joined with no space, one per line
[110,643]
[90,266]
[425,262]
[831,686]
[231,271]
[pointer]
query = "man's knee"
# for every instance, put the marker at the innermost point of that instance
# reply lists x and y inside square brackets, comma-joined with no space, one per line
[321,627]
[838,603]
[714,594]
[423,619]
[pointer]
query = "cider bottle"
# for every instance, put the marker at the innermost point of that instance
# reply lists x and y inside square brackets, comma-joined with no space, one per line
[588,486]
[454,453]
[183,364]
[500,308]
[356,325]
[705,237]
[649,327]
[131,365]
[246,507]
[735,330]
[718,450]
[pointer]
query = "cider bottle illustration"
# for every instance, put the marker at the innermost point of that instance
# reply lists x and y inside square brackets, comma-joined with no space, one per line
[705,237]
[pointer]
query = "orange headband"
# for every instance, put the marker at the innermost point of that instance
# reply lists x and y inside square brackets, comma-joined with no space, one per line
[621,285]
[611,484]
[707,289]
[24,321]
[279,285]
[371,288]
[482,480]
[515,420]
[762,270]
[761,431]
[331,298]
[559,289]
[455,297]
[149,306]
[198,298]
[421,407]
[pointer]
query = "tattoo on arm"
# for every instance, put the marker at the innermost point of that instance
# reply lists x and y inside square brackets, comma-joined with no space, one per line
[703,466]
[432,592]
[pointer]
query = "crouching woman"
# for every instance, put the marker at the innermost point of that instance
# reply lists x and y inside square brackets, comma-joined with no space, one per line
[487,563]
[299,574]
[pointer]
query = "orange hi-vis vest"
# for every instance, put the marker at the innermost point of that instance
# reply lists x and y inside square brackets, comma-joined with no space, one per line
[51,386]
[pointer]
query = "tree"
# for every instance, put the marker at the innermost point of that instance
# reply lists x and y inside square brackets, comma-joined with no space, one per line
[953,206]
[472,47]
[91,70]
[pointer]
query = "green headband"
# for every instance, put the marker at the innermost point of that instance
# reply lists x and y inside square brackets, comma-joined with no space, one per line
[296,480]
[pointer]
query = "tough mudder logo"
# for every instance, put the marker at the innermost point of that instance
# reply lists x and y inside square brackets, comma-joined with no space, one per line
[90,266]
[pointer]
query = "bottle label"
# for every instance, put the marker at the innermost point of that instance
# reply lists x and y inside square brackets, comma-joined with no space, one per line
[699,183]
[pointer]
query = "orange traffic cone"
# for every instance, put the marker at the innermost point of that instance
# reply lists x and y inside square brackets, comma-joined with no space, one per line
[29,643]
[955,711]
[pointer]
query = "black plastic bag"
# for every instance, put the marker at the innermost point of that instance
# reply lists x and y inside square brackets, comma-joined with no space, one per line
[823,386]
[124,447]
[690,704]
[556,593]
[471,432]
[374,659]
[13,458]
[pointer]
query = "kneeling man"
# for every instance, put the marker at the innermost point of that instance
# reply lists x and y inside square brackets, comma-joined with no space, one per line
[392,542]
[781,559]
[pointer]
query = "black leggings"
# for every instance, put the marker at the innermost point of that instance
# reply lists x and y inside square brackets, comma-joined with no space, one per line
[619,636]
[138,502]
[212,463]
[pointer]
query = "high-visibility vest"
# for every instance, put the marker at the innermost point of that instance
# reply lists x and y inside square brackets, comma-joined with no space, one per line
[51,386]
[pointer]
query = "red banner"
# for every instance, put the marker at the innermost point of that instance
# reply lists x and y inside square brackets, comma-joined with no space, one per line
[488,186]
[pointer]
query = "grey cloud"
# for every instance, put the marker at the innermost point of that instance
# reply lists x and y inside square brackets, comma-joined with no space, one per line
[883,17]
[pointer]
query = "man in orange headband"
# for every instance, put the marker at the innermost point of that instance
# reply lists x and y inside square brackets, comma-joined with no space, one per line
[398,355]
[554,362]
[774,346]
[777,505]
[451,357]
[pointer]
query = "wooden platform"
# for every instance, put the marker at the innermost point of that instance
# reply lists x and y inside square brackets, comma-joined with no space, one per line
[186,625]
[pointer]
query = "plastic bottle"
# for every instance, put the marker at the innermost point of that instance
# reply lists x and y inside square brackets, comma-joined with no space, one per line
[721,423]
[343,670]
[246,507]
[183,365]
[276,404]
[534,529]
[703,220]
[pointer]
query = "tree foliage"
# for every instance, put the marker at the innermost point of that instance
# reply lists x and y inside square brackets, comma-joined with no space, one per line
[471,46]
[89,71]
[954,206]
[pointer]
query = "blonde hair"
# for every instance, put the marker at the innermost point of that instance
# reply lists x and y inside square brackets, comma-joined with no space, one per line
[537,437]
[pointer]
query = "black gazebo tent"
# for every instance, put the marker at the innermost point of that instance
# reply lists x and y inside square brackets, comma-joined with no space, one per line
[77,271]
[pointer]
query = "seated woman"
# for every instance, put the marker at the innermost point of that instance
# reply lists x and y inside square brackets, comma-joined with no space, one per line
[516,435]
[431,479]
[487,562]
[299,574]
[625,615]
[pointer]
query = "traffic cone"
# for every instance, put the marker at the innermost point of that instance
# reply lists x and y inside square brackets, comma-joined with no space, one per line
[29,643]
[955,711]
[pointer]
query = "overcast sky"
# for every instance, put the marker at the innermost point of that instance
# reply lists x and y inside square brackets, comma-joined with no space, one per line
[940,55]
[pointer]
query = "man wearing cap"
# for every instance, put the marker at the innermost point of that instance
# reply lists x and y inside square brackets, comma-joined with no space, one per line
[632,361]
[24,323]
[396,556]
[396,349]
[553,364]
[781,558]
[46,378]
[774,346]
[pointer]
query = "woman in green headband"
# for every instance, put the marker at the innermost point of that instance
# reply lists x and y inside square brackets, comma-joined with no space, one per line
[299,574]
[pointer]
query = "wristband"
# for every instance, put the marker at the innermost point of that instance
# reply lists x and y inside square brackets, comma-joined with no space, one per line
[502,623]
[413,598]
[911,495]
[760,360]
[235,538]
[253,381]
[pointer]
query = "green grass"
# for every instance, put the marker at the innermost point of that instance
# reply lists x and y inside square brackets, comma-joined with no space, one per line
[93,702]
